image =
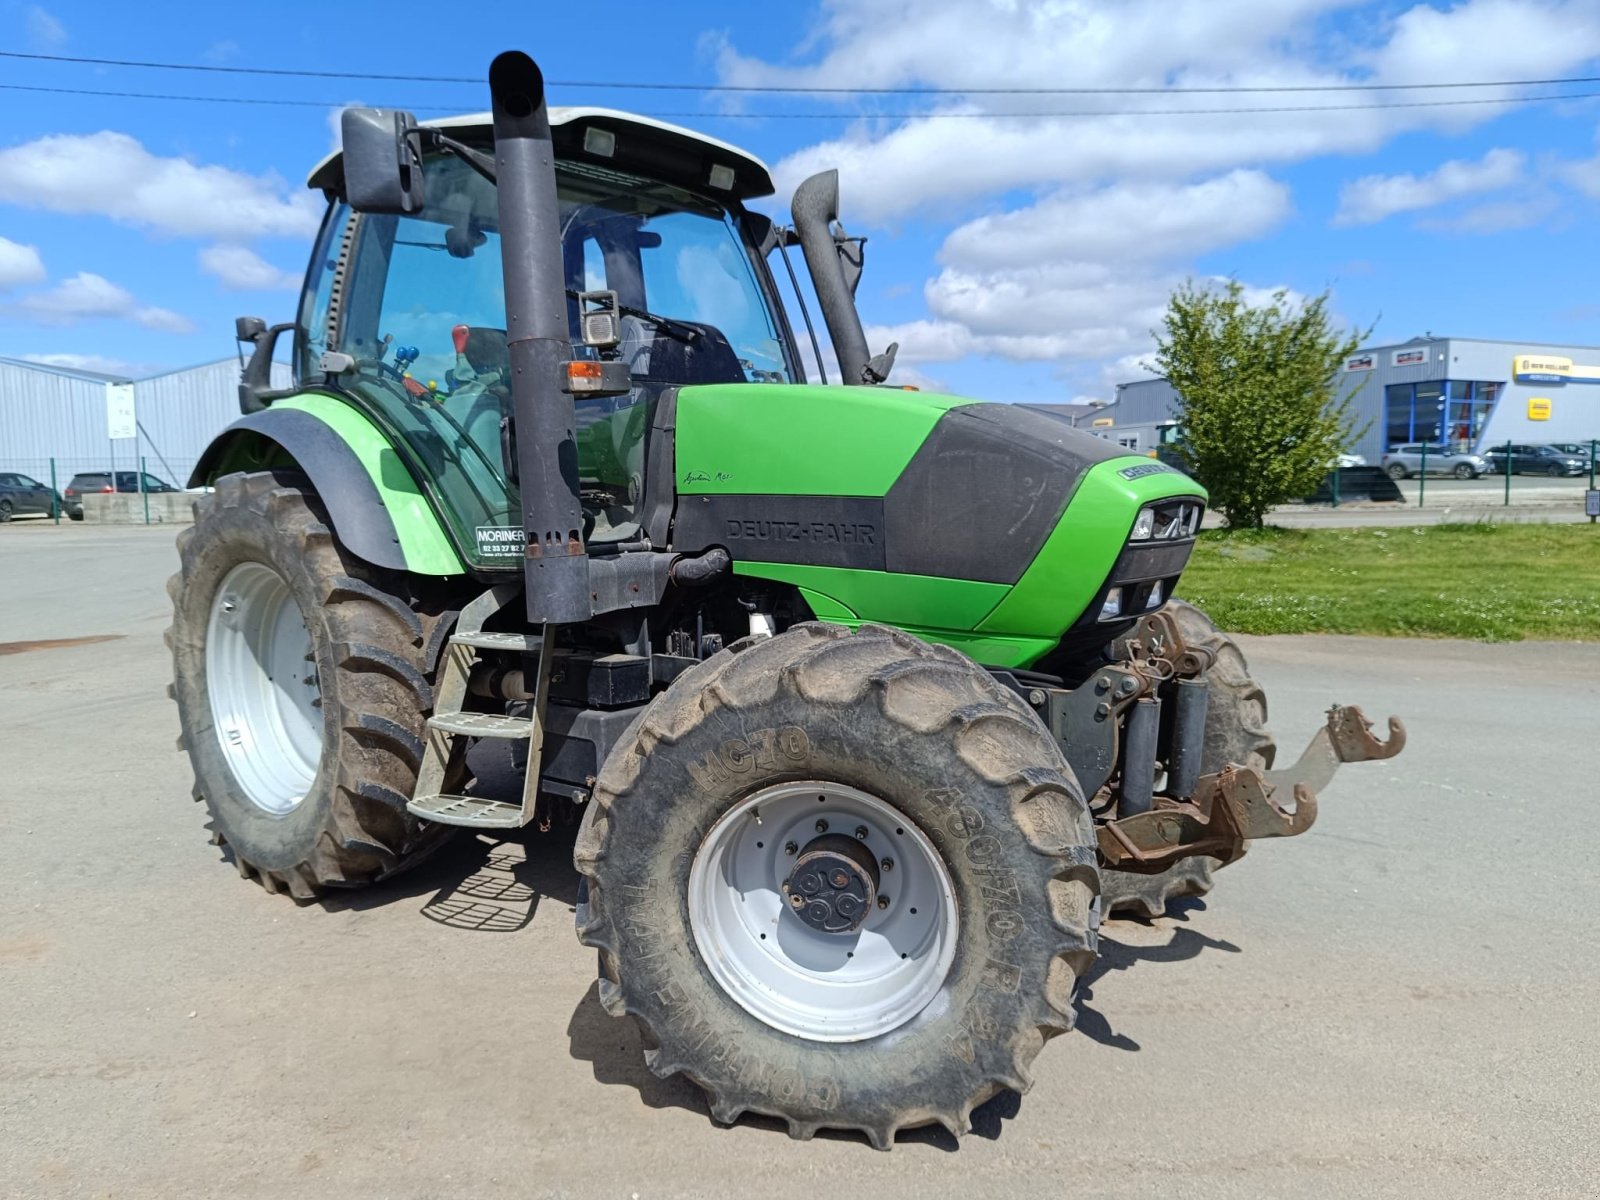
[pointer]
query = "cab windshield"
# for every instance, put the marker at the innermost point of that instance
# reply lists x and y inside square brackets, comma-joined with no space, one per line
[420,307]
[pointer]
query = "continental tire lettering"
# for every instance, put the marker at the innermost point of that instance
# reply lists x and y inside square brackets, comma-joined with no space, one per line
[1000,888]
[823,1094]
[984,850]
[1004,924]
[1001,977]
[762,749]
[960,1046]
[964,821]
[737,756]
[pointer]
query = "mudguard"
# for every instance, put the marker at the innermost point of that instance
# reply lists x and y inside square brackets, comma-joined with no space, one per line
[356,475]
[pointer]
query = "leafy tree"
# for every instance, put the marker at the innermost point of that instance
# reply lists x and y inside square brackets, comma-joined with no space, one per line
[1258,393]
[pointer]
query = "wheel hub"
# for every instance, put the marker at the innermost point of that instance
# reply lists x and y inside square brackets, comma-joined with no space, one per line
[834,884]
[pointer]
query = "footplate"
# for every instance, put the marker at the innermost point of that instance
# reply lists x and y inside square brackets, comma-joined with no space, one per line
[1241,804]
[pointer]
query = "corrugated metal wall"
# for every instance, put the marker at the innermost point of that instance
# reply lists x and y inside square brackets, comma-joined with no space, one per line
[46,413]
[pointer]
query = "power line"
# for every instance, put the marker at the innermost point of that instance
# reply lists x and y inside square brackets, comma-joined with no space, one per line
[835,116]
[778,89]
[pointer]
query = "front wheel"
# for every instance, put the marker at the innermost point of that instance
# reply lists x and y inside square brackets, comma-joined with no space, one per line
[299,677]
[1396,471]
[1553,471]
[845,880]
[1465,471]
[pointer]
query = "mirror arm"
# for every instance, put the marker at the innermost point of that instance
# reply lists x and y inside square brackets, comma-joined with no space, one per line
[255,381]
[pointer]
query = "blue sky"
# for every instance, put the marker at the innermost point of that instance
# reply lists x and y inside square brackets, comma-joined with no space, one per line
[1011,256]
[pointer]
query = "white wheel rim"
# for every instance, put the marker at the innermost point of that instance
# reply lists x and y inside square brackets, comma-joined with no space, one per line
[825,987]
[261,677]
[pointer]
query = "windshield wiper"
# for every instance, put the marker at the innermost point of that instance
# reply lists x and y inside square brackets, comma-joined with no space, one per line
[480,162]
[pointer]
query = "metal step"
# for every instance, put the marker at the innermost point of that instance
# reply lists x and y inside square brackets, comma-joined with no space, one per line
[470,811]
[482,725]
[522,643]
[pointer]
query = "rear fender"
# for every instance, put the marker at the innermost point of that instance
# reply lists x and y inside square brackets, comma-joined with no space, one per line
[376,506]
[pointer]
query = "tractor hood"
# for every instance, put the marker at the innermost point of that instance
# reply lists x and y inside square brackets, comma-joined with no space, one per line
[932,512]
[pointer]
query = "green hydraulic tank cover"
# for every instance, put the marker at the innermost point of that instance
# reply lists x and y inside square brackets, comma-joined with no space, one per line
[755,439]
[1077,557]
[423,541]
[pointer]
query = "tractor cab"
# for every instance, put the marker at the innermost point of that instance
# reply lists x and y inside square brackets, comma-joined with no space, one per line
[405,312]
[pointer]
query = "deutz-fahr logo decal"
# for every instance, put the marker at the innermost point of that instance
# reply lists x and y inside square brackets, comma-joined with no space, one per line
[498,541]
[845,532]
[1143,469]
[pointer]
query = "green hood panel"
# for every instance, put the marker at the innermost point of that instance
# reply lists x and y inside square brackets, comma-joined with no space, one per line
[767,439]
[1079,554]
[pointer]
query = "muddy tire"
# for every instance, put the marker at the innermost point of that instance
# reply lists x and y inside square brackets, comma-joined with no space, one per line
[1236,732]
[950,776]
[300,678]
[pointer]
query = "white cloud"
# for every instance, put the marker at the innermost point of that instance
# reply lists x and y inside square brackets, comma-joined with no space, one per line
[44,31]
[96,362]
[1498,217]
[1141,222]
[19,265]
[113,175]
[242,269]
[86,296]
[891,169]
[1374,197]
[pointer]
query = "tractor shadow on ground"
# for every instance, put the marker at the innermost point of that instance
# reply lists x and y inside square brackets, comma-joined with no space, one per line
[479,883]
[1133,948]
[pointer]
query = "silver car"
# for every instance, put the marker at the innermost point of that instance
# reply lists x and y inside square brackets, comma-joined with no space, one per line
[1402,462]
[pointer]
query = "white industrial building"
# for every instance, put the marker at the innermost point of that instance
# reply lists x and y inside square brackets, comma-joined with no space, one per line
[1460,392]
[89,421]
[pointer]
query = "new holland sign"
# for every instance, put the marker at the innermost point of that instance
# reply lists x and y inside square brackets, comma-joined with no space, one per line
[1550,368]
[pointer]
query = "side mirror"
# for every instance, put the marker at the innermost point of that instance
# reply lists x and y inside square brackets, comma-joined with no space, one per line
[255,380]
[382,160]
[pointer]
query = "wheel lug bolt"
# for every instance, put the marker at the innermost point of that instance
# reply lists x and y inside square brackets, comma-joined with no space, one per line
[861,833]
[791,849]
[797,902]
[887,864]
[822,827]
[883,902]
[840,879]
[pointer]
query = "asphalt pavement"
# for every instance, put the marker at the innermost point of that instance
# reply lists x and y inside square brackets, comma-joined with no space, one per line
[1400,1003]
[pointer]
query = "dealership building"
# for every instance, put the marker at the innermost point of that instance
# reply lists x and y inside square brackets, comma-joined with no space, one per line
[1441,390]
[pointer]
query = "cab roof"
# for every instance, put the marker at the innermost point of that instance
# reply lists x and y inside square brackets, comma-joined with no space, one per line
[653,148]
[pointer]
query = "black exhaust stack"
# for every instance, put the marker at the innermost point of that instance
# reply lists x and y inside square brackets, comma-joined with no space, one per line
[556,564]
[835,261]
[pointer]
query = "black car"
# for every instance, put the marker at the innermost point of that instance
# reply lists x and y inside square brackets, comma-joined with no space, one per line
[100,481]
[1537,460]
[22,494]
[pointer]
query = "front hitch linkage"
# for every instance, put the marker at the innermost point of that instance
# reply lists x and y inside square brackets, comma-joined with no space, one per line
[1240,804]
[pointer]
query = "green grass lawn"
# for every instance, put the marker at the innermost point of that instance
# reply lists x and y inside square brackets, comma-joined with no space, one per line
[1492,582]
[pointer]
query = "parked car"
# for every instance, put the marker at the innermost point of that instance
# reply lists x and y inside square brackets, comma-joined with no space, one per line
[100,481]
[1537,460]
[1402,462]
[1576,449]
[20,494]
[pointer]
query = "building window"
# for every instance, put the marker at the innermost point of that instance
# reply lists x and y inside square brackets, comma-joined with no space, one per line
[1450,412]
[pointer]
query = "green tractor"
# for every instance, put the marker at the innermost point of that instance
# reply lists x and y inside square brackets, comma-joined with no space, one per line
[868,703]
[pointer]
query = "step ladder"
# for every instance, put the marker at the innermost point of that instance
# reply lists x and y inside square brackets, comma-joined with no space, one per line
[449,722]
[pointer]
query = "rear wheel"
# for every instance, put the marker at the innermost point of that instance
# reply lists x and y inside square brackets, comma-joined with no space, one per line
[1397,471]
[845,880]
[301,689]
[1236,732]
[5,511]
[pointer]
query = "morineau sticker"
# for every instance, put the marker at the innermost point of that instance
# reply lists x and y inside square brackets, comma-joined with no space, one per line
[500,541]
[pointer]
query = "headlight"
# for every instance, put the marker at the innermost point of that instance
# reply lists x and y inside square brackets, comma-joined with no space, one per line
[1156,597]
[1112,608]
[1166,521]
[1143,526]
